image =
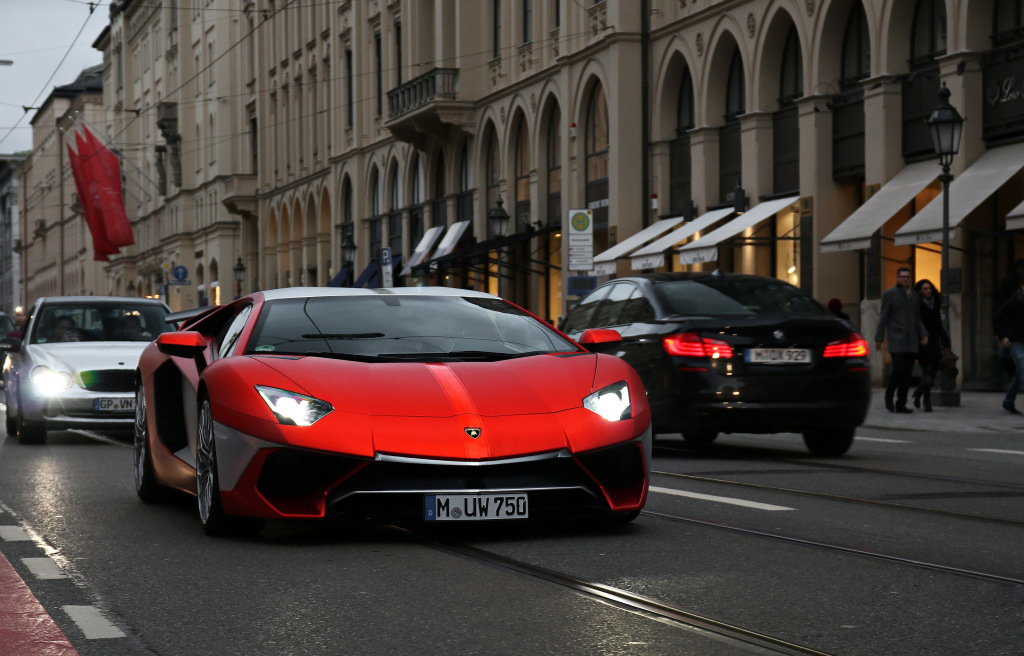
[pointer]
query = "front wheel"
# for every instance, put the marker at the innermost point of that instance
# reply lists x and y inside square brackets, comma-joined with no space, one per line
[31,432]
[832,442]
[211,510]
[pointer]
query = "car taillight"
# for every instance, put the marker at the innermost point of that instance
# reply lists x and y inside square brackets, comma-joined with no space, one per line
[692,345]
[854,347]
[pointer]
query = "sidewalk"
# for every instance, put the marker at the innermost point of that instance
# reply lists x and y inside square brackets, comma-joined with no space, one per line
[978,411]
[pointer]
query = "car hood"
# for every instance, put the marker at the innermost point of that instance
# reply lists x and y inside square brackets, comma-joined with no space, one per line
[522,386]
[87,356]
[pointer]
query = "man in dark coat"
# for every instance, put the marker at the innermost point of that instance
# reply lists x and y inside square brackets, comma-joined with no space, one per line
[1009,322]
[901,327]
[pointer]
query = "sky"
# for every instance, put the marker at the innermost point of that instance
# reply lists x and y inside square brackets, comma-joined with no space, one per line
[36,35]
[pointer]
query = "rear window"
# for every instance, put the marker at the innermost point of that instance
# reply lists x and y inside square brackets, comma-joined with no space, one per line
[735,297]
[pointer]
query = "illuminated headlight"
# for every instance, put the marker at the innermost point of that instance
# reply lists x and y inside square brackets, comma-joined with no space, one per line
[294,409]
[49,382]
[612,402]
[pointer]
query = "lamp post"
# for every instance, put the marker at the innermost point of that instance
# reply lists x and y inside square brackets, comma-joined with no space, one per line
[239,270]
[946,126]
[498,218]
[348,251]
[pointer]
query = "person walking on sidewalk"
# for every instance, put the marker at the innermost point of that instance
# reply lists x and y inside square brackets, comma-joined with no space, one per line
[900,326]
[930,354]
[1009,322]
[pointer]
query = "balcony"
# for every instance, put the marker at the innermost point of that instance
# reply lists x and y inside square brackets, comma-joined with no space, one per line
[428,105]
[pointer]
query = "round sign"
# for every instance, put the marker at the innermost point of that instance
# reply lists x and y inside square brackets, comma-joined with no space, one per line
[179,273]
[580,221]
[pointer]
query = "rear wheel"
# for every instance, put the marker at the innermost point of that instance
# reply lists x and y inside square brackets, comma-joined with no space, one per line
[145,480]
[700,436]
[12,426]
[832,442]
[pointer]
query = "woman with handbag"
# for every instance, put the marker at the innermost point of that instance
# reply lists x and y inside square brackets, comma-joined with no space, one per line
[930,355]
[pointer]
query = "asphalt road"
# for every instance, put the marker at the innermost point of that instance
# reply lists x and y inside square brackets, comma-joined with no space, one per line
[911,544]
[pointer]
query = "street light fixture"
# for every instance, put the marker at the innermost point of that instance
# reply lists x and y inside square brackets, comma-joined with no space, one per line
[946,126]
[239,270]
[498,218]
[348,249]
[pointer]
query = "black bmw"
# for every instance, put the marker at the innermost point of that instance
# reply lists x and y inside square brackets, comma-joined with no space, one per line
[731,353]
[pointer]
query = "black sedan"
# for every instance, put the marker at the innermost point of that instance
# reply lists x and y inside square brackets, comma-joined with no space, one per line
[732,353]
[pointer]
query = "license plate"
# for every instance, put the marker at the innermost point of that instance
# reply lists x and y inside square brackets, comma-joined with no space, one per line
[474,507]
[779,355]
[113,405]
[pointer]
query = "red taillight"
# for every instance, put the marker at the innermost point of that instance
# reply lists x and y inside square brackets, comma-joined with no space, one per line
[692,345]
[854,347]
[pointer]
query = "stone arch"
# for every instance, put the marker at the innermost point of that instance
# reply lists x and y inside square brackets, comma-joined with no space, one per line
[671,71]
[716,73]
[766,80]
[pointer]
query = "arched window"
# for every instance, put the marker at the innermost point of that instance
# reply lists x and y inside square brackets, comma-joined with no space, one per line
[395,215]
[375,193]
[439,215]
[929,38]
[856,64]
[464,205]
[554,162]
[735,94]
[680,166]
[597,155]
[416,208]
[730,151]
[492,169]
[791,82]
[523,165]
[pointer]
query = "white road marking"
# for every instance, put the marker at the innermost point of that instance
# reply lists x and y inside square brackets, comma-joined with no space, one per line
[92,623]
[44,568]
[13,534]
[708,497]
[882,439]
[1015,453]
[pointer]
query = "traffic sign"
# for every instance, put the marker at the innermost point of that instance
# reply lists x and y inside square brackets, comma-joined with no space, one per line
[179,273]
[581,240]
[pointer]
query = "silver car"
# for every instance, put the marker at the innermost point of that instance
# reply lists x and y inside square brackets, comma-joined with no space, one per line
[75,365]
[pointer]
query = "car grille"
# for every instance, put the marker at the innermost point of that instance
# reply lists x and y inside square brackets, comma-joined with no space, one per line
[108,380]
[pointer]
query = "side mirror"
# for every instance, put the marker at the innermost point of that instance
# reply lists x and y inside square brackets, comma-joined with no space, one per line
[184,344]
[599,336]
[10,344]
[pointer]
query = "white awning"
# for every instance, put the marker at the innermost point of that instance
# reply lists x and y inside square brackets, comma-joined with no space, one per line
[430,237]
[968,190]
[451,239]
[652,255]
[1015,219]
[705,249]
[604,262]
[856,231]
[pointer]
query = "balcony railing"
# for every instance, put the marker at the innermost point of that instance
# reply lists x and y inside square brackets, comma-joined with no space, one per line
[436,84]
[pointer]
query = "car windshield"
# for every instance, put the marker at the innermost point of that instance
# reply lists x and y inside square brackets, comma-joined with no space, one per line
[99,322]
[402,327]
[735,297]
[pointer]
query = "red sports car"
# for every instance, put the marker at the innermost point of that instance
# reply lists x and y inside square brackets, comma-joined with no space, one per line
[413,403]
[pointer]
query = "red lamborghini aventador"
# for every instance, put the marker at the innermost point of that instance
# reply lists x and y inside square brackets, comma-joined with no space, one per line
[426,404]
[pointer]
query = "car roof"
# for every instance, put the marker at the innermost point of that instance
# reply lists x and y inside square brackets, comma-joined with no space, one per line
[306,292]
[671,276]
[77,300]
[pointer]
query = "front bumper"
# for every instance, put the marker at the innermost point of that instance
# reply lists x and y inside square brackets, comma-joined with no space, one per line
[78,408]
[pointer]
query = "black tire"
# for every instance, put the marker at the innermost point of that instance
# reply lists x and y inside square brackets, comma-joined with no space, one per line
[211,510]
[700,436]
[31,432]
[12,426]
[621,518]
[832,442]
[145,479]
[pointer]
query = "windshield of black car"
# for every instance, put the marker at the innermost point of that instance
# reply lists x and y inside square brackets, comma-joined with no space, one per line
[401,327]
[735,297]
[99,321]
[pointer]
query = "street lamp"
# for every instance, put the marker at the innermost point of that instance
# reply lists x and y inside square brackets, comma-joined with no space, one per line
[131,288]
[946,126]
[239,270]
[498,218]
[348,249]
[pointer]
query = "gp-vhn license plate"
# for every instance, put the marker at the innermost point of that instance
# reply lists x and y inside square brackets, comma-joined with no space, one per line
[475,507]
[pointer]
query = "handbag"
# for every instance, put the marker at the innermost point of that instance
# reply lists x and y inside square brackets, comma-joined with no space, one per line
[947,363]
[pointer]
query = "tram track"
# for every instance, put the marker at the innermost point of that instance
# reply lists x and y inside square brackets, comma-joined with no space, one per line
[751,641]
[845,498]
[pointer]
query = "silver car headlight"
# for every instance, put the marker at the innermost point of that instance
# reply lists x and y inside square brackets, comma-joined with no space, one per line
[50,382]
[294,409]
[611,402]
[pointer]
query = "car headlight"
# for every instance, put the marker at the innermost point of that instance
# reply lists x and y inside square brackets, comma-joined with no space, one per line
[49,381]
[294,409]
[611,402]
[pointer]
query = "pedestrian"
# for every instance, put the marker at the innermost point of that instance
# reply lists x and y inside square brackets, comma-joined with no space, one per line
[1009,322]
[1004,292]
[900,326]
[835,306]
[929,355]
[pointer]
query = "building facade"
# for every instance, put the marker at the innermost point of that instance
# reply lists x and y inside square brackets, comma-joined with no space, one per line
[291,141]
[10,234]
